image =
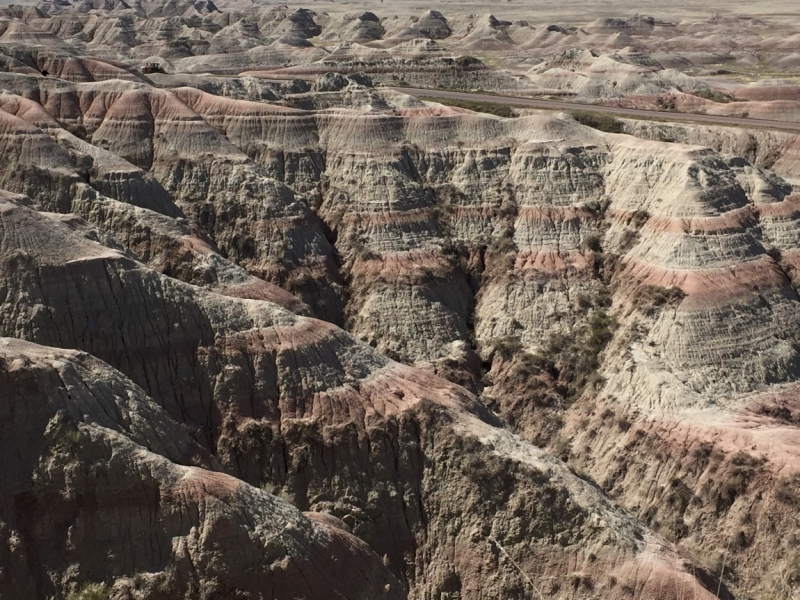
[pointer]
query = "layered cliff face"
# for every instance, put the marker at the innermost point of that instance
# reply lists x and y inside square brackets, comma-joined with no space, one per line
[692,63]
[597,292]
[534,244]
[192,171]
[776,151]
[105,496]
[412,464]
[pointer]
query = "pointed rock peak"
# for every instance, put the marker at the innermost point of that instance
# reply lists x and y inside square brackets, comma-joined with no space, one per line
[369,16]
[495,22]
[205,6]
[433,24]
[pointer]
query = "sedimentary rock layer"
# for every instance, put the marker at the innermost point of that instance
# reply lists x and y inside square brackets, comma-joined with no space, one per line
[103,492]
[538,262]
[302,408]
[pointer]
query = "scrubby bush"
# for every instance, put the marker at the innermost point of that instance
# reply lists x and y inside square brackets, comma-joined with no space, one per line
[787,491]
[623,423]
[601,330]
[736,479]
[153,68]
[785,580]
[779,413]
[574,359]
[506,111]
[650,297]
[715,96]
[639,218]
[592,242]
[599,121]
[503,245]
[507,347]
[90,591]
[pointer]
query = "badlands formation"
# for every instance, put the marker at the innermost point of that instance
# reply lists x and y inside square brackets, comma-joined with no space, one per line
[271,328]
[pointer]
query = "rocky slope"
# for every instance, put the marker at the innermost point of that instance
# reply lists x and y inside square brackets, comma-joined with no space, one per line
[131,138]
[463,224]
[498,357]
[299,407]
[691,63]
[776,151]
[105,496]
[129,252]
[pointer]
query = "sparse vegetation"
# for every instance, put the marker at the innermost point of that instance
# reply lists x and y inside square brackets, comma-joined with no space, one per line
[581,580]
[628,240]
[780,413]
[701,454]
[507,347]
[592,242]
[91,591]
[679,495]
[663,136]
[601,328]
[503,245]
[599,121]
[768,160]
[500,254]
[151,68]
[787,491]
[715,96]
[639,218]
[666,103]
[736,479]
[535,388]
[361,250]
[785,580]
[623,423]
[650,297]
[493,108]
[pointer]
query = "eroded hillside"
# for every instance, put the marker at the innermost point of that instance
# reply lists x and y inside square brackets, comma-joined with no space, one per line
[207,248]
[270,328]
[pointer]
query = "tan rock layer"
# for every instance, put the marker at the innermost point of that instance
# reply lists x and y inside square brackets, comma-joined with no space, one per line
[300,407]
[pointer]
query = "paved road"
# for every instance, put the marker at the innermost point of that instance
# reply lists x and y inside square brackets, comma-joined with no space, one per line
[622,112]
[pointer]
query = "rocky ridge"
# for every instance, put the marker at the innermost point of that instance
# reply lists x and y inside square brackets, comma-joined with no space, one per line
[691,64]
[415,466]
[312,392]
[103,492]
[693,241]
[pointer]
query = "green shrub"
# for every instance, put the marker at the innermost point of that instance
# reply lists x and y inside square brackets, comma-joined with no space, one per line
[599,121]
[592,242]
[153,68]
[493,108]
[91,591]
[650,297]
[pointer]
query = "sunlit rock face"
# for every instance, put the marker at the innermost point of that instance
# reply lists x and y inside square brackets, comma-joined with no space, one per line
[187,260]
